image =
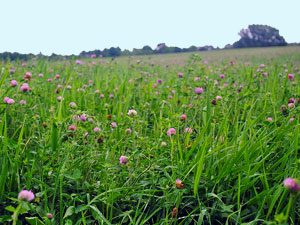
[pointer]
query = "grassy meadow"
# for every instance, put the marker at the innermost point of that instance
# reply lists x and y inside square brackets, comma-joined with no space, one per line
[204,138]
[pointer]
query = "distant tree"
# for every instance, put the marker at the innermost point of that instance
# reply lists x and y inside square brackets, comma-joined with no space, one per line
[83,53]
[206,48]
[176,50]
[192,49]
[184,50]
[105,53]
[53,57]
[147,48]
[113,52]
[16,56]
[259,36]
[125,52]
[294,44]
[228,46]
[97,53]
[162,48]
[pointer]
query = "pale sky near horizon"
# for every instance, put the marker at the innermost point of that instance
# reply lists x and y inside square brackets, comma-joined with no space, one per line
[71,26]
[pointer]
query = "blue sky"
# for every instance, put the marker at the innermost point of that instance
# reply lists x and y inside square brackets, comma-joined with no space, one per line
[71,26]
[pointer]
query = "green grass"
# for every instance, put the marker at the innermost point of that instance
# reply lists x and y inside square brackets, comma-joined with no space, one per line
[232,165]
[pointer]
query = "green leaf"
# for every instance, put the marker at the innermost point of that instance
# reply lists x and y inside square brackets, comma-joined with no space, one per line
[5,218]
[4,77]
[34,221]
[199,170]
[75,176]
[68,222]
[70,211]
[100,216]
[280,218]
[10,208]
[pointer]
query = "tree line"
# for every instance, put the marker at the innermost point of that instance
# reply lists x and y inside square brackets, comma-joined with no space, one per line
[253,36]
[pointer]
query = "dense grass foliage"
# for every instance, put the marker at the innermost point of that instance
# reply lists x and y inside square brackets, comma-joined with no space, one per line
[235,140]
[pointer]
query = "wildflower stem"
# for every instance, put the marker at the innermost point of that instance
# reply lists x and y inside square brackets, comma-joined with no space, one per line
[16,214]
[291,200]
[172,153]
